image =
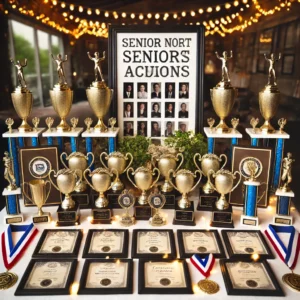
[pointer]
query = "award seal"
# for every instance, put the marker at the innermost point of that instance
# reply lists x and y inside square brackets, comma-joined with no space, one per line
[105,249]
[251,283]
[202,249]
[208,286]
[56,249]
[153,249]
[292,280]
[39,167]
[46,282]
[105,282]
[249,250]
[165,281]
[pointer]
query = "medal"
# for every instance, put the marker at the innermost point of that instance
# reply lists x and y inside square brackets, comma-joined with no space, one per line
[292,280]
[7,280]
[208,286]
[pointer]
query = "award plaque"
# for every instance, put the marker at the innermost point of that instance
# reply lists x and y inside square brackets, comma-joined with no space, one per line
[242,244]
[102,243]
[249,278]
[47,277]
[201,242]
[58,243]
[155,244]
[106,276]
[164,277]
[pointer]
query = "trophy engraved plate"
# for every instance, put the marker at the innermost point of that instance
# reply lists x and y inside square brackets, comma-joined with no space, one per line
[206,202]
[142,212]
[13,220]
[101,216]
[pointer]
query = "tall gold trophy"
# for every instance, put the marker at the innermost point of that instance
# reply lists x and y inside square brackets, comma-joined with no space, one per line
[99,94]
[61,95]
[22,98]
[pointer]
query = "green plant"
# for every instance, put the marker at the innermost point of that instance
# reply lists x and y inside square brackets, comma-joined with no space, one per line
[189,144]
[138,147]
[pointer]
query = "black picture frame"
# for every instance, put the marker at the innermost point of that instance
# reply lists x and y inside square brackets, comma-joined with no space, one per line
[21,291]
[182,250]
[233,255]
[83,290]
[142,289]
[135,254]
[60,255]
[122,254]
[251,291]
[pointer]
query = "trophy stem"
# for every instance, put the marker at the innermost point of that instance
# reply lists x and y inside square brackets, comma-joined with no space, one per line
[222,127]
[222,203]
[63,126]
[166,187]
[267,127]
[68,202]
[100,126]
[80,186]
[25,127]
[184,202]
[40,212]
[208,188]
[143,198]
[101,201]
[117,185]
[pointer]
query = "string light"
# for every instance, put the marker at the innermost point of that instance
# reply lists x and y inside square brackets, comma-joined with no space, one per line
[183,13]
[97,11]
[218,8]
[157,16]
[209,9]
[141,17]
[201,11]
[72,7]
[106,14]
[80,8]
[193,13]
[132,16]
[123,15]
[175,16]
[149,16]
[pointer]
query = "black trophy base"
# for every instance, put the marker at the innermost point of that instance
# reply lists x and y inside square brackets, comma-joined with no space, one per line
[170,199]
[83,198]
[68,217]
[142,212]
[221,218]
[206,201]
[112,197]
[184,216]
[101,215]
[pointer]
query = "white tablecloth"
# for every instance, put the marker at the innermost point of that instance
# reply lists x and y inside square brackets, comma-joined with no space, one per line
[202,222]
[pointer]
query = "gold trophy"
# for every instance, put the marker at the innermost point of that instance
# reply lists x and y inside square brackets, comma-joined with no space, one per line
[22,98]
[39,196]
[9,122]
[74,122]
[35,122]
[99,94]
[61,95]
[126,200]
[9,172]
[157,201]
[269,97]
[117,161]
[88,122]
[223,95]
[49,123]
[112,122]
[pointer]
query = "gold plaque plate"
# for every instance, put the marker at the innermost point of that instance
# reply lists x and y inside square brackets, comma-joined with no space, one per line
[292,280]
[208,286]
[7,280]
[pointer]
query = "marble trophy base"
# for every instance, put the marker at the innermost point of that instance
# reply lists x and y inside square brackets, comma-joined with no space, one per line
[184,216]
[94,133]
[170,198]
[102,215]
[221,218]
[68,217]
[57,133]
[44,218]
[206,201]
[258,134]
[112,197]
[142,212]
[12,219]
[83,198]
[15,133]
[13,216]
[213,133]
[249,221]
[283,216]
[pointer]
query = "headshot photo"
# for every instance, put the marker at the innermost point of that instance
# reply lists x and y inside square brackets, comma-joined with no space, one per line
[169,109]
[155,110]
[183,112]
[128,90]
[170,90]
[183,90]
[183,126]
[142,109]
[128,109]
[142,128]
[156,92]
[155,129]
[142,92]
[169,131]
[128,128]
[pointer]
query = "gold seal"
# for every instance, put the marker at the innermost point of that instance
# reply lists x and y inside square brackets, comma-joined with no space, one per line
[292,280]
[7,280]
[208,286]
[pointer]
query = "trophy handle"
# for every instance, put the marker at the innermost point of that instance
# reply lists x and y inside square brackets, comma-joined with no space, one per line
[225,160]
[200,173]
[93,158]
[49,175]
[128,176]
[181,160]
[113,171]
[211,172]
[170,180]
[106,155]
[236,172]
[46,182]
[88,182]
[195,160]
[158,174]
[62,159]
[25,193]
[128,154]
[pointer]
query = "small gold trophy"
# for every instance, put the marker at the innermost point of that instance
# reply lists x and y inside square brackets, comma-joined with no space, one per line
[9,172]
[35,122]
[112,122]
[49,123]
[281,123]
[9,122]
[126,200]
[74,122]
[157,201]
[253,123]
[88,122]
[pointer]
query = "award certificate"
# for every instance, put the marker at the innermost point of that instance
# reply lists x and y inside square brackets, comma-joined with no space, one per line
[107,242]
[155,242]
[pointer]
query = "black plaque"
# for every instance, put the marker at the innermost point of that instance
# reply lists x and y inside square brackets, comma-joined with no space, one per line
[221,218]
[41,219]
[184,216]
[206,201]
[112,197]
[102,215]
[142,212]
[83,198]
[68,217]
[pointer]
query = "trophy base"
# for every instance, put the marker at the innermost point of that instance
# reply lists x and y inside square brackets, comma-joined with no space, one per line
[206,201]
[127,220]
[25,127]
[267,128]
[45,218]
[249,221]
[68,217]
[63,126]
[113,197]
[221,218]
[283,220]
[101,215]
[142,212]
[170,199]
[157,220]
[100,126]
[82,198]
[12,219]
[184,216]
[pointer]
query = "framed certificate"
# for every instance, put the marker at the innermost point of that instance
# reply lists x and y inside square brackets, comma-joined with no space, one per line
[242,244]
[164,277]
[47,277]
[60,243]
[249,278]
[201,242]
[106,276]
[102,243]
[153,244]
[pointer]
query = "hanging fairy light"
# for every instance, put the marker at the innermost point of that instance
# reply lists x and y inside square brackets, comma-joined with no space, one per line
[106,14]
[157,16]
[193,13]
[89,11]
[149,16]
[183,13]
[97,11]
[72,7]
[209,9]
[201,11]
[218,8]
[80,8]
[175,16]
[132,16]
[123,15]
[141,17]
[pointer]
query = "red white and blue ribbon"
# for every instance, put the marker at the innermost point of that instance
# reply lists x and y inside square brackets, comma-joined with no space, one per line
[203,265]
[289,254]
[12,253]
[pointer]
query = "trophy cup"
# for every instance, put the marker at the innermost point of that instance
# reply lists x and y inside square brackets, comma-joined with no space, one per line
[284,193]
[157,201]
[68,212]
[61,95]
[126,200]
[143,178]
[22,98]
[208,162]
[98,94]
[39,196]
[222,210]
[101,182]
[184,183]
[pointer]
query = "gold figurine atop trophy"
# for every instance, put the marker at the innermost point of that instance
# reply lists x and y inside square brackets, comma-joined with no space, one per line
[9,172]
[112,122]
[9,122]
[74,122]
[254,122]
[88,122]
[281,122]
[35,122]
[286,177]
[49,122]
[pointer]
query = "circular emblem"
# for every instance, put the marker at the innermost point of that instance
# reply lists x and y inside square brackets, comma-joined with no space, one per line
[105,282]
[39,167]
[153,249]
[7,280]
[156,200]
[45,282]
[165,281]
[208,286]
[202,249]
[105,249]
[292,280]
[249,250]
[56,249]
[252,283]
[126,200]
[250,165]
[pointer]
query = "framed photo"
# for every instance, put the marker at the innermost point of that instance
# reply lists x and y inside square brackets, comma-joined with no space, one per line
[265,156]
[47,277]
[164,277]
[128,110]
[36,163]
[101,243]
[288,62]
[249,278]
[242,244]
[142,109]
[58,243]
[162,67]
[201,242]
[154,244]
[106,276]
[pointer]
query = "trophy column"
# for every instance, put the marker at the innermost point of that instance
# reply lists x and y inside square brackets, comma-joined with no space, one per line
[12,206]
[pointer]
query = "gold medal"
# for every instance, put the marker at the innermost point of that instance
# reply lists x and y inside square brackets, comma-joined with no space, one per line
[292,280]
[7,280]
[208,286]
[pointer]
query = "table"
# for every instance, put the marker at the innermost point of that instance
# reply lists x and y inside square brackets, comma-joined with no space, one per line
[202,221]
